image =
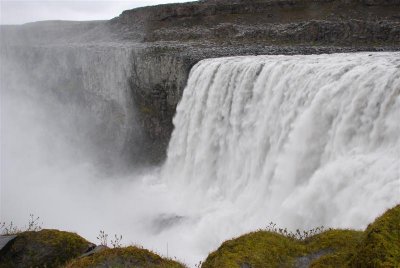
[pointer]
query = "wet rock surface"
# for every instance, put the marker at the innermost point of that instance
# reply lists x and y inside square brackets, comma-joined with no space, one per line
[5,239]
[305,261]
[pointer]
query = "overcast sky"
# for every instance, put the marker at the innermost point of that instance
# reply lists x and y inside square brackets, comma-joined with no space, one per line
[18,12]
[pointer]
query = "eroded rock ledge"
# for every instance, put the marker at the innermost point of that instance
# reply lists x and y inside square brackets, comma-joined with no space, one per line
[165,41]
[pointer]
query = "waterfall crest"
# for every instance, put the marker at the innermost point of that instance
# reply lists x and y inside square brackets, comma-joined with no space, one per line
[300,140]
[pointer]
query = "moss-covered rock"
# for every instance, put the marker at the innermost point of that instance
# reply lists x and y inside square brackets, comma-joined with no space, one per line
[45,248]
[268,249]
[380,245]
[377,246]
[337,246]
[256,249]
[124,257]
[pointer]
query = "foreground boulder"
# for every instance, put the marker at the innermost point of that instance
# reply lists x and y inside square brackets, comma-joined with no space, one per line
[45,248]
[124,257]
[269,249]
[53,248]
[380,244]
[377,246]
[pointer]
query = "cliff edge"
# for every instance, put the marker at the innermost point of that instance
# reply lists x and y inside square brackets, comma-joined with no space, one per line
[163,42]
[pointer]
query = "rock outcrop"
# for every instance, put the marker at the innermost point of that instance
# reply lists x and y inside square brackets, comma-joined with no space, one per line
[377,246]
[163,42]
[53,248]
[131,256]
[45,248]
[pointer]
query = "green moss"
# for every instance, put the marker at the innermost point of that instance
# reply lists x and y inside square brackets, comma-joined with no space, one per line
[380,246]
[377,246]
[268,249]
[45,248]
[257,249]
[124,257]
[339,246]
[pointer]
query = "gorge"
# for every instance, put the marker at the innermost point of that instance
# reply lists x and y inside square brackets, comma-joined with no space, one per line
[164,125]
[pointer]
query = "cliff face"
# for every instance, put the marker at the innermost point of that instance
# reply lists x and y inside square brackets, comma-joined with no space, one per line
[269,22]
[133,68]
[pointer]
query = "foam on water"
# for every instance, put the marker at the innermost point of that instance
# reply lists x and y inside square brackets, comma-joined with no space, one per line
[303,141]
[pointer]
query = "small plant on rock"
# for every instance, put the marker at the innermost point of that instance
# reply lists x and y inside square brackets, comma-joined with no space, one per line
[298,234]
[33,224]
[9,229]
[103,238]
[116,243]
[12,229]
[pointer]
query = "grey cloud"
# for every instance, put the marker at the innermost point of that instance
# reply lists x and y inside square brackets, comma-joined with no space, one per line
[19,12]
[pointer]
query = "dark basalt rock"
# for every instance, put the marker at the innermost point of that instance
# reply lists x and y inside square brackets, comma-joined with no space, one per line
[305,261]
[5,239]
[179,35]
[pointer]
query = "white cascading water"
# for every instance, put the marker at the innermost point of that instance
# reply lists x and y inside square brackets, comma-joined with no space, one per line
[302,141]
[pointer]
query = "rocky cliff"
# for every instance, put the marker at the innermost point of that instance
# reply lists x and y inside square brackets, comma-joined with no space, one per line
[147,53]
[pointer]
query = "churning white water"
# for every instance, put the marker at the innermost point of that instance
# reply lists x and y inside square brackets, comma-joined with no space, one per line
[303,141]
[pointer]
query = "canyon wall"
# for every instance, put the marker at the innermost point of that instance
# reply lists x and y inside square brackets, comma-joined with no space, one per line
[132,69]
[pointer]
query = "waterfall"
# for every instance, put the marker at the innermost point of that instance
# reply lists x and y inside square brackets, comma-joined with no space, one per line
[303,141]
[82,93]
